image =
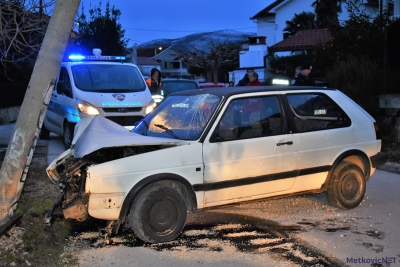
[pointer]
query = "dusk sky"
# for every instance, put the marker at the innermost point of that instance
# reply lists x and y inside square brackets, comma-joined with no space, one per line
[144,21]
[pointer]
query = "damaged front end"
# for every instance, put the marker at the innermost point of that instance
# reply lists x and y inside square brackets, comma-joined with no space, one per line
[70,174]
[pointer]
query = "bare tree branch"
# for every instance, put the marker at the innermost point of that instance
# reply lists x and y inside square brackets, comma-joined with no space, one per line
[23,25]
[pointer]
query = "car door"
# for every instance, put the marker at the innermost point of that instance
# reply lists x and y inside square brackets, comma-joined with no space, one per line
[321,130]
[249,152]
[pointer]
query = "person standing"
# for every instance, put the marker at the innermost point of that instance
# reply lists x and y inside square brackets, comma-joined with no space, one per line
[245,80]
[154,82]
[304,78]
[231,84]
[253,77]
[279,78]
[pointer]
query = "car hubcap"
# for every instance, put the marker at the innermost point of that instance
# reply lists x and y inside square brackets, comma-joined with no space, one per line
[350,187]
[163,215]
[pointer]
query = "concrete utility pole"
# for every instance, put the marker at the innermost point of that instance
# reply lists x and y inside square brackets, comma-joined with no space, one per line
[30,118]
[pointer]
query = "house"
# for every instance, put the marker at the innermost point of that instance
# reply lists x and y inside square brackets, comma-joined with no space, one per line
[272,20]
[271,38]
[170,64]
[164,60]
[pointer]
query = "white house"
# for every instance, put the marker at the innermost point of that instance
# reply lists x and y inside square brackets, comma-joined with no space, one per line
[272,20]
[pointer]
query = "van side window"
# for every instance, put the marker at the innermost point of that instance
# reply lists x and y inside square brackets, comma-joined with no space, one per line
[64,83]
[250,118]
[314,112]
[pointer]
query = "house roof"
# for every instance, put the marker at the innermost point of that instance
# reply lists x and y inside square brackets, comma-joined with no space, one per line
[265,12]
[302,40]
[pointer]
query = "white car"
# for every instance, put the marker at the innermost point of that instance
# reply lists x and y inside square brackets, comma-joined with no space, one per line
[209,147]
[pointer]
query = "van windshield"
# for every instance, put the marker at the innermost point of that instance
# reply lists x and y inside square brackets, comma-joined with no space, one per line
[107,78]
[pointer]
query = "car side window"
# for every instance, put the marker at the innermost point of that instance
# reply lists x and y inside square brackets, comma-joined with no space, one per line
[64,83]
[315,112]
[251,117]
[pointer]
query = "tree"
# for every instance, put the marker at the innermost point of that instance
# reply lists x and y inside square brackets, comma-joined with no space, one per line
[302,21]
[30,118]
[102,31]
[327,12]
[360,35]
[22,29]
[211,60]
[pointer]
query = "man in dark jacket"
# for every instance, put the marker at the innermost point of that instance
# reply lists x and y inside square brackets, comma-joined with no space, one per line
[245,80]
[304,78]
[154,82]
[279,78]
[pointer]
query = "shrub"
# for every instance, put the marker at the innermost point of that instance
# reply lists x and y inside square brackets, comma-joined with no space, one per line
[363,80]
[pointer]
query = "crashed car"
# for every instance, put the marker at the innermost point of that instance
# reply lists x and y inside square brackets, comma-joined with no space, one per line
[217,146]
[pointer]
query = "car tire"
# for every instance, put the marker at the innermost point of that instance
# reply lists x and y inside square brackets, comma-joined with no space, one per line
[44,133]
[158,214]
[68,134]
[346,187]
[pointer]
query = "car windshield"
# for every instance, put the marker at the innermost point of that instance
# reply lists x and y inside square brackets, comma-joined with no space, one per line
[176,86]
[107,78]
[179,117]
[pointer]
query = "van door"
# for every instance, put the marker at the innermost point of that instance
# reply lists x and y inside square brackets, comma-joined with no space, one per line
[62,104]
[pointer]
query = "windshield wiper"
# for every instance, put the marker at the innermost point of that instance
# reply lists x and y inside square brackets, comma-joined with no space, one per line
[167,130]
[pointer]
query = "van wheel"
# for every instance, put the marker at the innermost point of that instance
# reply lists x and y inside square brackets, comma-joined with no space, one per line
[68,134]
[158,214]
[44,133]
[346,188]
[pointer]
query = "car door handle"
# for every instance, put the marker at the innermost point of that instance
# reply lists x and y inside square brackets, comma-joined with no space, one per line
[285,143]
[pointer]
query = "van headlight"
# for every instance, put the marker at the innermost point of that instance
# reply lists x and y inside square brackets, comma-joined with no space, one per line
[151,106]
[86,108]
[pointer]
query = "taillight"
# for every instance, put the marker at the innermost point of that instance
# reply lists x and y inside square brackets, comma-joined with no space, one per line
[377,131]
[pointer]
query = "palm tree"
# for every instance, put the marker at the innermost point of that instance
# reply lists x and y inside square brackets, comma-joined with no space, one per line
[327,11]
[302,21]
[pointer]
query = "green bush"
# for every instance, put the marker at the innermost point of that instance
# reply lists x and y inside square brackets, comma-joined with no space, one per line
[363,80]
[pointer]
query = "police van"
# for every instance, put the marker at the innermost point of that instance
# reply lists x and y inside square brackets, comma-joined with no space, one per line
[96,85]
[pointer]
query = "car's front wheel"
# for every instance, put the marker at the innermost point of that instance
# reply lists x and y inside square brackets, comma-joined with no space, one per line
[346,188]
[158,214]
[68,134]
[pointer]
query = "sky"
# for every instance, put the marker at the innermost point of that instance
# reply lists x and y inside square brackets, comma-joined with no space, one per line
[147,20]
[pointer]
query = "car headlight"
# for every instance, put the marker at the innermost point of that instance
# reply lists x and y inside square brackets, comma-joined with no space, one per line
[86,108]
[151,106]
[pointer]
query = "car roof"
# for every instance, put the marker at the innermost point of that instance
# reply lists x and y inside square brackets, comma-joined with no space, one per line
[227,91]
[177,80]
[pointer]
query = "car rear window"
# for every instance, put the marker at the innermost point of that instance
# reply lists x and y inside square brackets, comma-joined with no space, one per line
[314,112]
[177,86]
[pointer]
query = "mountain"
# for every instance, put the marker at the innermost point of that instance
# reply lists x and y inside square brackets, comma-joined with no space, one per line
[201,41]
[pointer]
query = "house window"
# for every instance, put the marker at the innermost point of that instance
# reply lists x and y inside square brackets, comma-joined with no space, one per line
[175,65]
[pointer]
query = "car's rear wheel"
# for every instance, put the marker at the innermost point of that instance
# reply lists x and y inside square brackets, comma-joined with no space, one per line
[68,134]
[158,214]
[44,133]
[346,188]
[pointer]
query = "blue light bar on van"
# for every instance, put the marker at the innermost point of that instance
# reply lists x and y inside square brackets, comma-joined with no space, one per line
[102,58]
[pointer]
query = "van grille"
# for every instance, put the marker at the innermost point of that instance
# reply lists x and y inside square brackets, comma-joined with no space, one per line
[123,109]
[125,120]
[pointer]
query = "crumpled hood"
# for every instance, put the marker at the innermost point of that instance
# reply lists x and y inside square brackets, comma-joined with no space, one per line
[94,133]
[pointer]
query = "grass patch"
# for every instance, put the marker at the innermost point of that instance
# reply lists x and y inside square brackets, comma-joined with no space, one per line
[30,240]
